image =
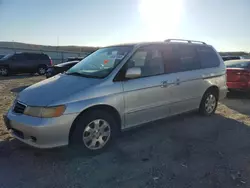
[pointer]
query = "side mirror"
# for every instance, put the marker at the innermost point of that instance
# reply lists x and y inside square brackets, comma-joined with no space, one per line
[134,72]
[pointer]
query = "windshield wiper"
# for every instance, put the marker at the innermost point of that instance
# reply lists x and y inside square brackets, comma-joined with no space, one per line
[80,74]
[73,73]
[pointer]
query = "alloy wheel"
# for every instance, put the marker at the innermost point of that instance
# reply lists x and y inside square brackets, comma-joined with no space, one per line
[96,134]
[41,70]
[210,103]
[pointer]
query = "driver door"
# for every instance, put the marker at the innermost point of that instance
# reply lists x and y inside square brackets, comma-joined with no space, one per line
[146,98]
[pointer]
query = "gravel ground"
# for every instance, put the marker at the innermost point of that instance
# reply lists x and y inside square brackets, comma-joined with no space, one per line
[187,151]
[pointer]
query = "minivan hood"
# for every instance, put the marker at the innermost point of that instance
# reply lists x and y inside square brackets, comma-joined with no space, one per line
[55,88]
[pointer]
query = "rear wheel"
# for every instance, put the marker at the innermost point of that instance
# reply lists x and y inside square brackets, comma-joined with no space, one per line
[209,103]
[41,70]
[94,131]
[4,71]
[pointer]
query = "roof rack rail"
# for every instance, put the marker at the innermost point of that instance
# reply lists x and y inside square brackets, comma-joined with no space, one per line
[183,40]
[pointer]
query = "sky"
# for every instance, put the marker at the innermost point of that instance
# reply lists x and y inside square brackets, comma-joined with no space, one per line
[221,23]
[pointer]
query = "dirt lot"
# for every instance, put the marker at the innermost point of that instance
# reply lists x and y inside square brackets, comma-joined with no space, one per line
[185,151]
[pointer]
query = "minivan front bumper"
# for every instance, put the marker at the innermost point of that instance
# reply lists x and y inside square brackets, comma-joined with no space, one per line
[40,132]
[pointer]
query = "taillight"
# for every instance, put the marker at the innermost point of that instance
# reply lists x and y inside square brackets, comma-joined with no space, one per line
[51,63]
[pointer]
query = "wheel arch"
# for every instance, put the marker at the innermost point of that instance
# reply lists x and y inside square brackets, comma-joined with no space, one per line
[104,107]
[214,89]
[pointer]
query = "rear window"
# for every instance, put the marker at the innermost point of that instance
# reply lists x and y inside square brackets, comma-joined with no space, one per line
[44,57]
[237,64]
[19,57]
[230,58]
[208,57]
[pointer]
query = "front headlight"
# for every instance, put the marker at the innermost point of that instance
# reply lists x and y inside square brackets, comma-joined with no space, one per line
[45,112]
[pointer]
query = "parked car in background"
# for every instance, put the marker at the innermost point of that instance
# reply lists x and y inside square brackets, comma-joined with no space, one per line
[116,88]
[238,75]
[245,57]
[24,62]
[59,68]
[227,58]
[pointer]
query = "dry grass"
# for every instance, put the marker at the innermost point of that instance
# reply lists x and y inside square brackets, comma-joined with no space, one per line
[224,111]
[9,86]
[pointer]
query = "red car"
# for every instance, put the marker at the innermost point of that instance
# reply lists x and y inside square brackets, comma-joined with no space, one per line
[238,74]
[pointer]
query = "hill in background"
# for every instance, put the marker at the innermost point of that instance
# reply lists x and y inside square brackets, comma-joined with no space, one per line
[89,49]
[19,45]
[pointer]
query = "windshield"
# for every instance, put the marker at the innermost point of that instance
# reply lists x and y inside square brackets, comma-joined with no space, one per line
[237,64]
[100,63]
[7,56]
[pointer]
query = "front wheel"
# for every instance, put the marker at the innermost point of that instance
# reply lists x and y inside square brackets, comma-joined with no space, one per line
[209,103]
[94,131]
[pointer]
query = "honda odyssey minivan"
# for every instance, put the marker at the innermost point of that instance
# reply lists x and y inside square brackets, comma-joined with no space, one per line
[116,88]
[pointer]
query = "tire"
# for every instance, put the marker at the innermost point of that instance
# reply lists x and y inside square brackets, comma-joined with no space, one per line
[208,103]
[85,135]
[41,70]
[4,71]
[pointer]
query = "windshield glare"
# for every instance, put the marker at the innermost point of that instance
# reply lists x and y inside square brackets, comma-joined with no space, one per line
[102,62]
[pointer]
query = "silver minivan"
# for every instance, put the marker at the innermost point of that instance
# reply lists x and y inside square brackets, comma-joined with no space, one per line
[116,88]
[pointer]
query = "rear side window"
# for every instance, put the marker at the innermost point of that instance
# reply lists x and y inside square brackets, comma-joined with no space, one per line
[188,58]
[19,57]
[208,57]
[171,60]
[36,57]
[180,58]
[31,56]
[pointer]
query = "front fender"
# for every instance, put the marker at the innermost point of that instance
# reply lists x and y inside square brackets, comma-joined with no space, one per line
[116,101]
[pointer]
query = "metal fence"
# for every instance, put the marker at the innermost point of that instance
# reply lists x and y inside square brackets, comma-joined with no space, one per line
[56,56]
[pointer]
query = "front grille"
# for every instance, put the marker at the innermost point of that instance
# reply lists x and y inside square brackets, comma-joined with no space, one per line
[19,108]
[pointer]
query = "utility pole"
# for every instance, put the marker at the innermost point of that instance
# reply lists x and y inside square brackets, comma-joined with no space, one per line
[13,46]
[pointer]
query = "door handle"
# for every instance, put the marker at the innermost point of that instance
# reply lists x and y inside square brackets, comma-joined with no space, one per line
[177,81]
[164,84]
[167,83]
